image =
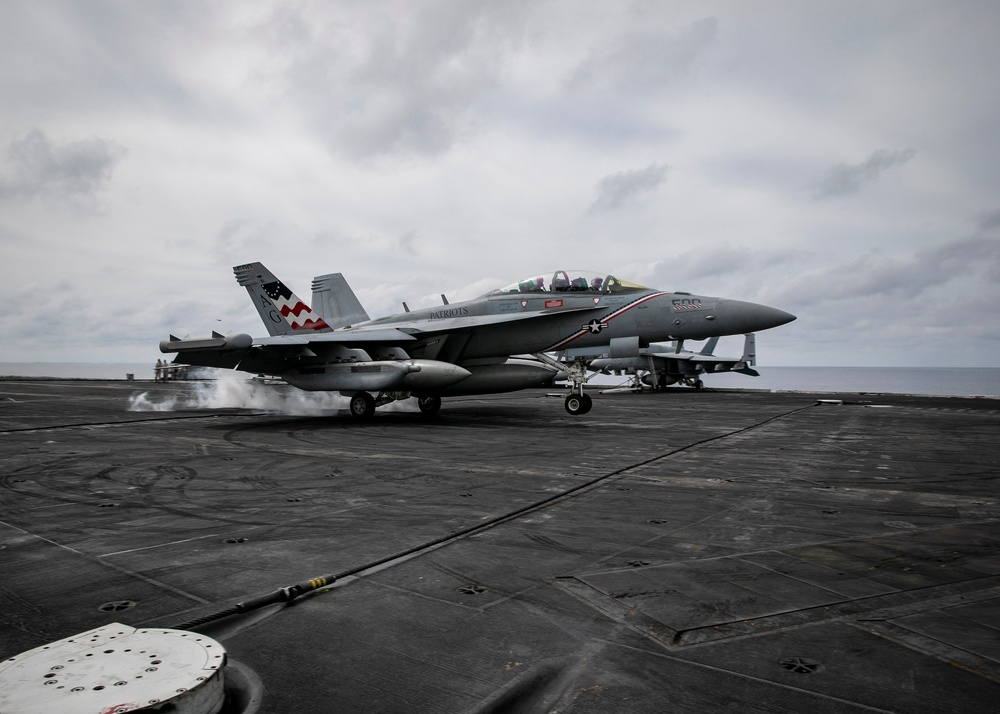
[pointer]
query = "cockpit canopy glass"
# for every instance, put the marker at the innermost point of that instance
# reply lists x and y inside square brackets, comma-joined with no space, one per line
[569,281]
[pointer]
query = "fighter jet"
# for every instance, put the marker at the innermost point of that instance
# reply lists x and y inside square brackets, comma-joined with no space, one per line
[462,348]
[661,365]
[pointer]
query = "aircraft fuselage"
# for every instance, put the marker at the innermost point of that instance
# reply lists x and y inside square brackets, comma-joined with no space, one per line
[569,320]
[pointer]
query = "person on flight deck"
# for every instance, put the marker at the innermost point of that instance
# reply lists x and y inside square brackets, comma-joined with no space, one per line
[579,284]
[596,283]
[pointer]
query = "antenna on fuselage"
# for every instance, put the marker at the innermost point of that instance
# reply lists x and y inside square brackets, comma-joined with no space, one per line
[444,299]
[406,308]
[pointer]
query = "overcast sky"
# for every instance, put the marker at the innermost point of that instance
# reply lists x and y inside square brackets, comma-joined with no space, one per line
[838,160]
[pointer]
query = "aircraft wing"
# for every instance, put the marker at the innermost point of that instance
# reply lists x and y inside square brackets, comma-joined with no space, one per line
[374,334]
[272,354]
[406,332]
[342,336]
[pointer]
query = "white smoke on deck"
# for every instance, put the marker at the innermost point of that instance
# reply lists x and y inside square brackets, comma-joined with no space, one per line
[230,391]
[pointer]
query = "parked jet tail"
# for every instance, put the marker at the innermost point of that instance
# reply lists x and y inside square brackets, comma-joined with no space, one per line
[281,310]
[749,358]
[709,348]
[336,302]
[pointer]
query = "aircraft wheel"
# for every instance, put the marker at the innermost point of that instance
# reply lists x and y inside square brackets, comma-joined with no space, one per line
[579,404]
[429,405]
[362,406]
[698,384]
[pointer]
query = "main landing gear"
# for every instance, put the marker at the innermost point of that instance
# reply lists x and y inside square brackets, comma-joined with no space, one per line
[362,404]
[429,405]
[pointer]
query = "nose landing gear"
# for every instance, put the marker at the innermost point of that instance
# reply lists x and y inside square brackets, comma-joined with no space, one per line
[576,372]
[579,403]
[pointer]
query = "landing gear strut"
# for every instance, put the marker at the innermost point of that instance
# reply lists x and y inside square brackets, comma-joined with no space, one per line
[576,372]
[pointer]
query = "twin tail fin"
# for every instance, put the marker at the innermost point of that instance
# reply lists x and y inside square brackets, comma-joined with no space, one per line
[281,310]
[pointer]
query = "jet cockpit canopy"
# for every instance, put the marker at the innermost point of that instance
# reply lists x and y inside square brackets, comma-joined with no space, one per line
[569,281]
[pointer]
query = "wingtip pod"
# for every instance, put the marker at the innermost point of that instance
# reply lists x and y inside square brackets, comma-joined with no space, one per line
[239,341]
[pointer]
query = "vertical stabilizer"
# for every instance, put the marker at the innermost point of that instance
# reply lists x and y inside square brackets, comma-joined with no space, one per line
[282,312]
[750,350]
[336,302]
[709,348]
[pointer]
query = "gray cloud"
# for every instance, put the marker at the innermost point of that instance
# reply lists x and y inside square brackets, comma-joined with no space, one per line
[640,59]
[844,179]
[696,266]
[988,220]
[625,186]
[40,168]
[395,83]
[408,242]
[391,140]
[242,237]
[879,275]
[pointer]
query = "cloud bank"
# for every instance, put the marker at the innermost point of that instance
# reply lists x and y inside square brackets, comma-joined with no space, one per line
[837,161]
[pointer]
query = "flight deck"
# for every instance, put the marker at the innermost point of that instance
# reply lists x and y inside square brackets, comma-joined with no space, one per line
[682,551]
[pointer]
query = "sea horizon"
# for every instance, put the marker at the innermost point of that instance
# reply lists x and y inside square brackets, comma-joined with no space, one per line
[956,381]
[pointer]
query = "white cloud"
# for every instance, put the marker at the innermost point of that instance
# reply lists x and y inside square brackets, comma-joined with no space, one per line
[643,60]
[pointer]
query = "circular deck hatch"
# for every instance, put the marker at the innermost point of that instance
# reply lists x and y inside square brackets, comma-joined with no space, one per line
[116,669]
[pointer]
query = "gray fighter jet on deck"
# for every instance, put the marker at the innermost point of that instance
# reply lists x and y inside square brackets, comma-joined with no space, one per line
[461,348]
[658,366]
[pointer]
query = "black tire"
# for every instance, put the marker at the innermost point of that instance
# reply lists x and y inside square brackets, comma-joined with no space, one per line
[362,406]
[578,404]
[429,406]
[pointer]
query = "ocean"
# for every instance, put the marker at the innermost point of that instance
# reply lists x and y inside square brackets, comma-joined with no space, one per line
[961,381]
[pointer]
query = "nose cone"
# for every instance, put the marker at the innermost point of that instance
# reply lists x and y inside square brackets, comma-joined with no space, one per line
[736,316]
